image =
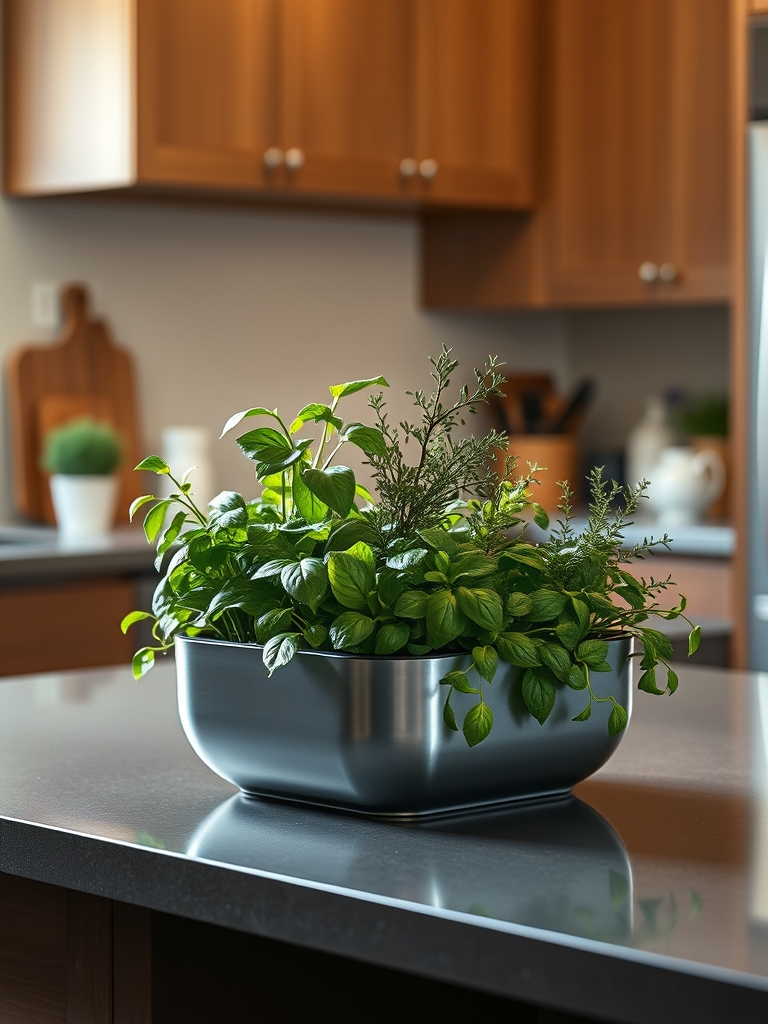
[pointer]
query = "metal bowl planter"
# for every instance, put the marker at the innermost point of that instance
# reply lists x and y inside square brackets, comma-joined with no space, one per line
[366,734]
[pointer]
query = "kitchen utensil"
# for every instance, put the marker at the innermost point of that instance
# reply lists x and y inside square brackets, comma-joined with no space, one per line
[82,373]
[574,410]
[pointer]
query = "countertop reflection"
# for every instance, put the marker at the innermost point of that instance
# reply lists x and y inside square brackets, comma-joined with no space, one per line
[661,854]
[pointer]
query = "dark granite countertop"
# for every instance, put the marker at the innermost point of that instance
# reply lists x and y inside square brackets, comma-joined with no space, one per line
[645,900]
[35,554]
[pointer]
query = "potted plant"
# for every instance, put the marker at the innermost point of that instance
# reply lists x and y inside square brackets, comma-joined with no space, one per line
[82,457]
[331,645]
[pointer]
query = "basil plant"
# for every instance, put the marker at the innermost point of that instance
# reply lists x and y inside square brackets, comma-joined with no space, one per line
[435,562]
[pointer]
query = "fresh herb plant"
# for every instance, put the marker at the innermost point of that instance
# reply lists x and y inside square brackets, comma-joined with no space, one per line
[83,447]
[438,563]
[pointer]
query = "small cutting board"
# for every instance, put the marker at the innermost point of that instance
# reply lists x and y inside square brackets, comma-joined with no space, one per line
[82,373]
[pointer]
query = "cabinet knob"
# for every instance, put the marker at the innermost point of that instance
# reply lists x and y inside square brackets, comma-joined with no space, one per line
[428,169]
[294,159]
[667,273]
[408,167]
[648,272]
[273,157]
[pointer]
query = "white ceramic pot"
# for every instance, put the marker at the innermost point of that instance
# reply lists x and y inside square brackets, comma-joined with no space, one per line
[84,505]
[685,483]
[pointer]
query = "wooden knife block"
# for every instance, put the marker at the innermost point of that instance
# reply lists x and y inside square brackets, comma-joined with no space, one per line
[557,455]
[82,373]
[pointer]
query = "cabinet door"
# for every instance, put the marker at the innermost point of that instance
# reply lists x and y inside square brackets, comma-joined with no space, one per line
[346,83]
[639,151]
[207,91]
[477,61]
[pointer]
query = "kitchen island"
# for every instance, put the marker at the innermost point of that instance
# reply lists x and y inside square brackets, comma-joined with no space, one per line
[643,900]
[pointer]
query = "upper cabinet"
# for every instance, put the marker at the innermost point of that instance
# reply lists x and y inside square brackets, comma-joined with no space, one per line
[411,101]
[635,195]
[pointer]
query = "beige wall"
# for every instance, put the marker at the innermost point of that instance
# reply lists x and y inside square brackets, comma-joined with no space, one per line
[226,307]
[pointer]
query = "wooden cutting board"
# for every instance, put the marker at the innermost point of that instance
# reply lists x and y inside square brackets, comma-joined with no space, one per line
[82,373]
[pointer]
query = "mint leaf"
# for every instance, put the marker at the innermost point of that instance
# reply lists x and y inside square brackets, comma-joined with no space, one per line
[538,694]
[618,720]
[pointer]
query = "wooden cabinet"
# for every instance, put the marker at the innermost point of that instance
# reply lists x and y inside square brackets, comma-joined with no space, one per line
[635,198]
[406,101]
[48,627]
[477,64]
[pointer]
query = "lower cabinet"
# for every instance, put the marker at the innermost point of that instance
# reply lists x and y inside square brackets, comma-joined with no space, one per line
[72,958]
[56,626]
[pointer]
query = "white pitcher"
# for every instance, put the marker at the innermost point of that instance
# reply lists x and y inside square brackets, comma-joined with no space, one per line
[685,483]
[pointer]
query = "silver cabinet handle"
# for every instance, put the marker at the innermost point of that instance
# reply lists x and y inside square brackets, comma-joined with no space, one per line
[294,159]
[408,167]
[273,157]
[648,272]
[428,169]
[667,273]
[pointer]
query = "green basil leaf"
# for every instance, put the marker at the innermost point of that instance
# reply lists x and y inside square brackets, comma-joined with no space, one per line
[582,613]
[694,640]
[370,439]
[660,643]
[137,503]
[445,620]
[482,606]
[390,587]
[132,617]
[440,540]
[334,486]
[524,553]
[459,681]
[540,516]
[518,649]
[273,567]
[306,581]
[315,634]
[307,504]
[647,682]
[577,679]
[618,720]
[155,518]
[342,390]
[556,659]
[154,464]
[486,661]
[474,564]
[449,718]
[279,650]
[518,604]
[478,722]
[273,623]
[592,652]
[265,444]
[546,605]
[392,637]
[672,680]
[352,579]
[419,650]
[412,604]
[350,532]
[142,662]
[569,633]
[238,417]
[407,559]
[350,629]
[538,694]
[318,414]
[584,715]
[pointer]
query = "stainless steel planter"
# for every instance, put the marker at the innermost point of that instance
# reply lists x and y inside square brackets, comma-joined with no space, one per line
[366,734]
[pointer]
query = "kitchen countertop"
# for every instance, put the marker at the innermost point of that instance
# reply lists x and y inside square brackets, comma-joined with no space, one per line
[646,900]
[33,554]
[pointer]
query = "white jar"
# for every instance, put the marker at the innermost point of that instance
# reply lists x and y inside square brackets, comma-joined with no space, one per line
[685,483]
[184,448]
[644,445]
[84,505]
